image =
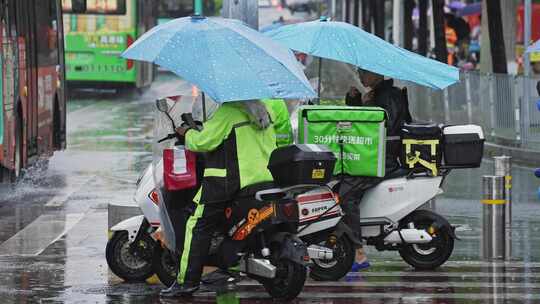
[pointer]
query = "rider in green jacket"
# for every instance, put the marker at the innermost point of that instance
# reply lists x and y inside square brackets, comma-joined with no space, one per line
[237,142]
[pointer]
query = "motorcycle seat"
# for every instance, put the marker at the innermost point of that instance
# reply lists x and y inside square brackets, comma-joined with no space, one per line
[400,172]
[251,190]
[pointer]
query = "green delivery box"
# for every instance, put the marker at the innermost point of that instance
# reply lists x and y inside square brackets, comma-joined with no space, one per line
[361,131]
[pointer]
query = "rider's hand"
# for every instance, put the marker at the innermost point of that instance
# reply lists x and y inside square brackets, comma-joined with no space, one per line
[353,92]
[369,97]
[182,130]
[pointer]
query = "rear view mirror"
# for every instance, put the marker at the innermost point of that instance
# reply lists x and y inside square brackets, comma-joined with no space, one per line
[162,105]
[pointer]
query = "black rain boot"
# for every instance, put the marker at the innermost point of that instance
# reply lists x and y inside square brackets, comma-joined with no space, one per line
[177,290]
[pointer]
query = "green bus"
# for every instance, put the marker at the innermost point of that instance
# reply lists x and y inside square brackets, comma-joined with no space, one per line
[95,39]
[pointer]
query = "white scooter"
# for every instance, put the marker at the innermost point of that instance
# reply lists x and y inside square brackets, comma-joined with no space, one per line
[390,219]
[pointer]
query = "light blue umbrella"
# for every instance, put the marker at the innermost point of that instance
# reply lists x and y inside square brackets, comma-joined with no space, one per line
[535,47]
[347,43]
[223,57]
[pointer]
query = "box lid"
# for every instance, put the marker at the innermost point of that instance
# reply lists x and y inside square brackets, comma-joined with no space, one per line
[464,129]
[343,113]
[301,152]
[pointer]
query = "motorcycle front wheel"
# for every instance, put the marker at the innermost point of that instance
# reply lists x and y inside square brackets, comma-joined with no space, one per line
[124,263]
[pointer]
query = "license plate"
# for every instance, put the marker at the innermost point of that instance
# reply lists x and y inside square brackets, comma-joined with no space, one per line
[317,174]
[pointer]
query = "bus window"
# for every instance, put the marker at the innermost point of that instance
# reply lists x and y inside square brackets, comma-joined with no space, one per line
[98,7]
[46,25]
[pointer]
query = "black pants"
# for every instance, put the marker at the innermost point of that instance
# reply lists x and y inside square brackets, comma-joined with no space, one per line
[351,191]
[200,227]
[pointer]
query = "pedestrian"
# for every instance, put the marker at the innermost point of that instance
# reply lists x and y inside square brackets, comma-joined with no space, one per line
[382,94]
[451,40]
[237,142]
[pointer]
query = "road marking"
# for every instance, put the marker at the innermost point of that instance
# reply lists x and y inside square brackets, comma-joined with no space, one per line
[418,297]
[359,283]
[446,274]
[61,198]
[40,234]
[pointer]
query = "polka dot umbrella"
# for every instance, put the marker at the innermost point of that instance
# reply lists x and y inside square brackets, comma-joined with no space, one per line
[225,58]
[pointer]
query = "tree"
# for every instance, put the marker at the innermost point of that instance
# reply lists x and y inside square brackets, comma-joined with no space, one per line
[423,27]
[496,38]
[441,53]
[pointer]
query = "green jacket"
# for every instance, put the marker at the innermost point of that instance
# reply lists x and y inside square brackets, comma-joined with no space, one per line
[282,121]
[236,153]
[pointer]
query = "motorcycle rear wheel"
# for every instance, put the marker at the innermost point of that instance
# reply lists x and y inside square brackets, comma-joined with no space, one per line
[123,263]
[289,281]
[339,266]
[433,254]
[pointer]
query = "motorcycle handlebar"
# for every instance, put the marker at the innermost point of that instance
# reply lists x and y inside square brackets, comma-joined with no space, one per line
[188,119]
[170,136]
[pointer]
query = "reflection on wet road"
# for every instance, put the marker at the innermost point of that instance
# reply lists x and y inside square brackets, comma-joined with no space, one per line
[53,226]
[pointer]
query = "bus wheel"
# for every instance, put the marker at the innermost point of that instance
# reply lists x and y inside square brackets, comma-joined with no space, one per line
[57,134]
[17,157]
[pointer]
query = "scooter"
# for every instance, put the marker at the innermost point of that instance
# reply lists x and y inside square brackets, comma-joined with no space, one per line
[391,218]
[272,252]
[137,249]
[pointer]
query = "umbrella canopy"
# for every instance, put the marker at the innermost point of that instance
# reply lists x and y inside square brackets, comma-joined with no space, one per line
[535,47]
[225,58]
[347,43]
[456,5]
[471,9]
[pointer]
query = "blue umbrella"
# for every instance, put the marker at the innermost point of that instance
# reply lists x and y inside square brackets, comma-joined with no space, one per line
[471,9]
[347,43]
[535,47]
[223,57]
[270,27]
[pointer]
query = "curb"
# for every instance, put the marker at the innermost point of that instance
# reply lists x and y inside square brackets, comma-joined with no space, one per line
[522,156]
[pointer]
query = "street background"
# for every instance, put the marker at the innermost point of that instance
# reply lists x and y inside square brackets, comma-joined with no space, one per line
[53,227]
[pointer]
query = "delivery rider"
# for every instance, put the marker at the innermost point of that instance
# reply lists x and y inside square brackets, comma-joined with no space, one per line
[237,141]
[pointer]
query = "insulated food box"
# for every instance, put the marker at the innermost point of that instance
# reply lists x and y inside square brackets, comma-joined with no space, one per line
[356,135]
[463,146]
[421,147]
[301,164]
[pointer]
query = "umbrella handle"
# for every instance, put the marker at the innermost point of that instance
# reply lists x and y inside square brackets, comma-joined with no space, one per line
[320,80]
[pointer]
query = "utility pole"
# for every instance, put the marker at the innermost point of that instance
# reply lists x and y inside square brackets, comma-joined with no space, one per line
[378,9]
[397,22]
[408,24]
[422,27]
[356,15]
[509,24]
[438,27]
[527,37]
[496,39]
[245,10]
[366,15]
